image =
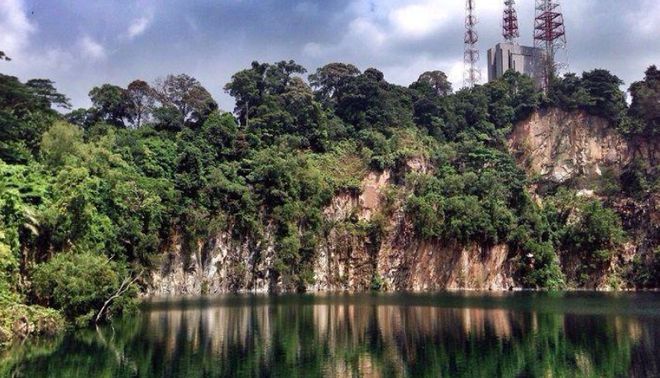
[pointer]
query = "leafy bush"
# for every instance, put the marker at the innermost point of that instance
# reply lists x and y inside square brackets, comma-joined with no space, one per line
[78,284]
[539,266]
[18,321]
[594,235]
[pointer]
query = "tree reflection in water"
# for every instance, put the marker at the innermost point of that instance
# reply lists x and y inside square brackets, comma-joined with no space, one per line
[379,336]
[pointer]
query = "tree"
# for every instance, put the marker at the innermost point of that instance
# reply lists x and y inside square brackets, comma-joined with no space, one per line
[142,100]
[328,79]
[279,74]
[4,56]
[308,120]
[111,104]
[24,116]
[44,91]
[187,95]
[17,98]
[219,133]
[645,104]
[167,118]
[190,167]
[247,87]
[260,85]
[607,99]
[81,117]
[61,142]
[568,93]
[435,81]
[593,236]
[368,100]
[511,98]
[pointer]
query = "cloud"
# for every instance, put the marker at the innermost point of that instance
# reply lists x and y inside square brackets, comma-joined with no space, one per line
[646,20]
[419,20]
[91,49]
[15,28]
[70,41]
[138,26]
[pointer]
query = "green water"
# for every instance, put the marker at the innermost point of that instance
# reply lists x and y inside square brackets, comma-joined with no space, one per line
[413,335]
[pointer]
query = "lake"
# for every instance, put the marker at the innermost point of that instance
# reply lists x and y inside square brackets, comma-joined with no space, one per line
[461,334]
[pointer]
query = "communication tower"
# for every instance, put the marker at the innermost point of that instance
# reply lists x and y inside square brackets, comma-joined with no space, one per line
[549,38]
[472,74]
[510,22]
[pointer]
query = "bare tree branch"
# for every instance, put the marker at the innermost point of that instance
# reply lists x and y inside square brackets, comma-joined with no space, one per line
[125,285]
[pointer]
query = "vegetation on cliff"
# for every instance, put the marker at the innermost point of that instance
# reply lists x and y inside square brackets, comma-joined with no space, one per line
[88,199]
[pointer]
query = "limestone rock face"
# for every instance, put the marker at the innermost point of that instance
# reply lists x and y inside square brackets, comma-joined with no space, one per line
[219,264]
[559,145]
[347,259]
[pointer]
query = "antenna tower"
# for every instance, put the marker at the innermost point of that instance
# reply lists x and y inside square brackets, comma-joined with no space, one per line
[510,22]
[472,74]
[549,37]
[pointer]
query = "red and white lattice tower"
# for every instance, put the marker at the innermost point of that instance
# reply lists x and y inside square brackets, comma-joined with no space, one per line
[510,22]
[549,38]
[472,74]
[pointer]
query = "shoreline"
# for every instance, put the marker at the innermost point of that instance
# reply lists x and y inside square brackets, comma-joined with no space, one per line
[142,296]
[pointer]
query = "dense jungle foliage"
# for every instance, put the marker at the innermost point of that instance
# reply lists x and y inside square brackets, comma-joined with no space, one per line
[88,198]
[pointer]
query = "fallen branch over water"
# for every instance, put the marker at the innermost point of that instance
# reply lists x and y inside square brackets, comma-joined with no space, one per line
[125,285]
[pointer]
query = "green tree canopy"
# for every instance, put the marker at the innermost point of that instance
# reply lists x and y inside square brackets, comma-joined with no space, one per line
[645,105]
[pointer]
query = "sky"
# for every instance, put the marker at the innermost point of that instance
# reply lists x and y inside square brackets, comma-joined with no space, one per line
[85,43]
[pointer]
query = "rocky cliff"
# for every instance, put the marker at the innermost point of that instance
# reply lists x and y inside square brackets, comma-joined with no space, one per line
[348,259]
[369,241]
[559,145]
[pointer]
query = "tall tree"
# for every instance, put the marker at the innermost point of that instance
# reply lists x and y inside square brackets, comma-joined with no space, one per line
[247,88]
[45,92]
[187,95]
[81,117]
[307,118]
[279,74]
[329,78]
[15,97]
[645,104]
[142,100]
[260,84]
[111,104]
[568,92]
[436,81]
[368,100]
[603,88]
[23,117]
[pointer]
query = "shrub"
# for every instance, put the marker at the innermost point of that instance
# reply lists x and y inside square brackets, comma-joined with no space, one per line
[377,282]
[18,320]
[539,267]
[593,236]
[79,284]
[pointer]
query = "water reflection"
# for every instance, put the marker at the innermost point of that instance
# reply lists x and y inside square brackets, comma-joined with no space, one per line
[379,336]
